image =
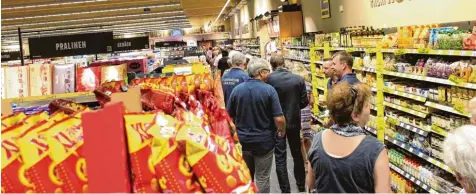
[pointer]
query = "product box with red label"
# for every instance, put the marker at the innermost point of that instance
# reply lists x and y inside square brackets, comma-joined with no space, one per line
[40,79]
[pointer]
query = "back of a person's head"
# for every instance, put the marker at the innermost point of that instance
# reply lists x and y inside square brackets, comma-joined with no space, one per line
[224,53]
[238,59]
[343,99]
[459,149]
[256,65]
[276,61]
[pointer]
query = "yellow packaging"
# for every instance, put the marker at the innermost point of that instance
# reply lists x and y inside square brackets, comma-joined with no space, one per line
[13,119]
[114,73]
[41,82]
[16,82]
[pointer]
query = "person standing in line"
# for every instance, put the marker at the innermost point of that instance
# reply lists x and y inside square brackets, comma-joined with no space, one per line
[216,57]
[329,72]
[459,155]
[223,62]
[342,68]
[236,75]
[343,158]
[209,54]
[231,50]
[255,110]
[293,97]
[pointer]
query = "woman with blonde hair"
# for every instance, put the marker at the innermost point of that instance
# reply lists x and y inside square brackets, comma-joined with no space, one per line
[343,158]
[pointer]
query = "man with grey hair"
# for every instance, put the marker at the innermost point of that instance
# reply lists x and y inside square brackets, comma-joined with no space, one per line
[292,94]
[236,75]
[459,155]
[256,112]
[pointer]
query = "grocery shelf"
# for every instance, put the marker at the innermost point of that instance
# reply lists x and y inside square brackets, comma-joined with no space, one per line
[406,95]
[413,179]
[368,69]
[430,79]
[464,53]
[419,154]
[298,59]
[297,47]
[404,109]
[445,108]
[78,97]
[319,62]
[252,45]
[410,127]
[371,130]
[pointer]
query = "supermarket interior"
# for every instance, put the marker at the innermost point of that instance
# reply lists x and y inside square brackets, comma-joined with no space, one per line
[193,96]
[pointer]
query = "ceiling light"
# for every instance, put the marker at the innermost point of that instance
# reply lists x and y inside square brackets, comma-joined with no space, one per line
[92,19]
[93,11]
[222,9]
[50,4]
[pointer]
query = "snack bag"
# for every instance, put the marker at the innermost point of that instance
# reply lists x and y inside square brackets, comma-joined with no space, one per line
[65,140]
[212,160]
[182,86]
[34,151]
[143,172]
[12,119]
[172,169]
[12,163]
[66,106]
[206,83]
[36,117]
[104,91]
[158,100]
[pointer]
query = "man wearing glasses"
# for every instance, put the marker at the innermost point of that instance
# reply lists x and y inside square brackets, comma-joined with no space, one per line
[254,107]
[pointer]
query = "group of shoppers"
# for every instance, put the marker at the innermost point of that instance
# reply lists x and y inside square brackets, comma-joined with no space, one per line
[265,105]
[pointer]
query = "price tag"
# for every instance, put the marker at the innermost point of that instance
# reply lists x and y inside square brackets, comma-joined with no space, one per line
[418,182]
[421,132]
[438,163]
[463,53]
[440,52]
[411,150]
[420,155]
[425,187]
[446,52]
[452,52]
[412,179]
[473,54]
[446,167]
[407,176]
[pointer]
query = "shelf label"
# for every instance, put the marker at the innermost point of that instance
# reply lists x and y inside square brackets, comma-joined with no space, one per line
[412,179]
[418,182]
[420,155]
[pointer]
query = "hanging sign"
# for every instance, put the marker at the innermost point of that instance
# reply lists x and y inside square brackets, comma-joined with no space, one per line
[128,44]
[191,43]
[325,9]
[11,56]
[70,45]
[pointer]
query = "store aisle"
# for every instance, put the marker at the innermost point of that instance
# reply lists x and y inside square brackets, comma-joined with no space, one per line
[292,180]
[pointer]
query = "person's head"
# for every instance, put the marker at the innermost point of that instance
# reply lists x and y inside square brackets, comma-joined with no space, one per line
[229,48]
[238,60]
[224,53]
[327,66]
[277,61]
[459,155]
[472,109]
[216,51]
[210,48]
[349,104]
[258,69]
[343,62]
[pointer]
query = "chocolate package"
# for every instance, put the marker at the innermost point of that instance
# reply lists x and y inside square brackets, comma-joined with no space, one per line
[138,65]
[64,78]
[88,79]
[113,73]
[40,79]
[16,82]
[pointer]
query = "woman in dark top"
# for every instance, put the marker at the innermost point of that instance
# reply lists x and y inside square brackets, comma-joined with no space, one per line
[223,62]
[342,158]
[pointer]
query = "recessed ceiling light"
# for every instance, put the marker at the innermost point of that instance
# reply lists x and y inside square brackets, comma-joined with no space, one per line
[50,4]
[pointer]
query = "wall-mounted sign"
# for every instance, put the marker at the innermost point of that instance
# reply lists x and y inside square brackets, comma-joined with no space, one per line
[11,56]
[325,9]
[176,33]
[245,29]
[78,44]
[191,43]
[127,44]
[170,44]
[380,3]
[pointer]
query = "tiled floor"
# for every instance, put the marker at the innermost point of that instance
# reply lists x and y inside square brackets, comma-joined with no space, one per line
[292,180]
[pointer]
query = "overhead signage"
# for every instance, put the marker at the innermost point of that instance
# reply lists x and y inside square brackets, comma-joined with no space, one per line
[70,45]
[170,44]
[128,44]
[176,33]
[325,9]
[11,56]
[380,3]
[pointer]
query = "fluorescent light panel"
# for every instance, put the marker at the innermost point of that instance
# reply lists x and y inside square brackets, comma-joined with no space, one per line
[93,19]
[93,11]
[98,24]
[222,9]
[50,4]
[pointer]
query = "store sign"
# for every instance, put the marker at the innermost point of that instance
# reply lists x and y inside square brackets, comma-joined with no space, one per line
[70,45]
[380,3]
[11,56]
[191,43]
[128,44]
[170,44]
[325,9]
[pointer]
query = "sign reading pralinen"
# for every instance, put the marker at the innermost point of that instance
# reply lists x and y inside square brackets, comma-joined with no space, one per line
[70,45]
[380,3]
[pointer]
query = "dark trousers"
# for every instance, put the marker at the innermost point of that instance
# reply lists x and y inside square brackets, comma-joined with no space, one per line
[294,140]
[260,169]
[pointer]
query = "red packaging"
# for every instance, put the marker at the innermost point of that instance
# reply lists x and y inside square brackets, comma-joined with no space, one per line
[158,100]
[138,140]
[137,65]
[88,79]
[104,91]
[172,169]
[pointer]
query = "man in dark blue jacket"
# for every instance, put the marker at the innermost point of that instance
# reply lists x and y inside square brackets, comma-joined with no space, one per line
[236,75]
[254,107]
[292,94]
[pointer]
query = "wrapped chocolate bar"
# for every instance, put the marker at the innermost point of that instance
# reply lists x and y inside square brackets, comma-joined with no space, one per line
[40,79]
[64,78]
[66,106]
[113,73]
[16,82]
[88,79]
[104,91]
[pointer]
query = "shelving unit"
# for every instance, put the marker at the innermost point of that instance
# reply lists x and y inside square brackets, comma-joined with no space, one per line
[78,97]
[407,110]
[408,176]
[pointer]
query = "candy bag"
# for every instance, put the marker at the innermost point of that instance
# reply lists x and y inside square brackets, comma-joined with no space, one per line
[66,106]
[65,141]
[12,119]
[143,172]
[36,117]
[172,169]
[12,163]
[104,91]
[212,162]
[34,152]
[158,100]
